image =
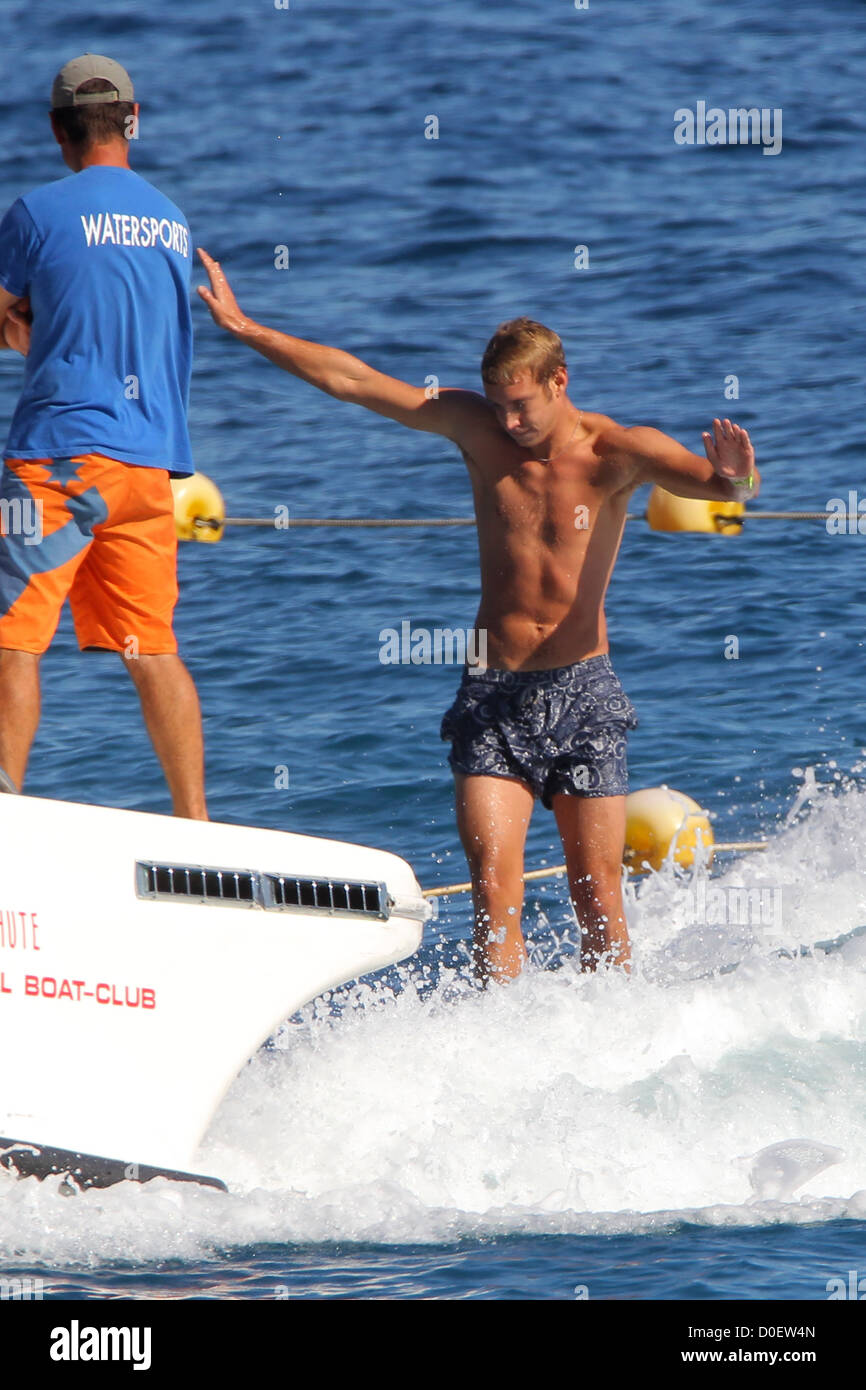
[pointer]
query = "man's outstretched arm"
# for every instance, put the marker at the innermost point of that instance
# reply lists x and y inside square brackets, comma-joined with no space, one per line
[653,457]
[339,373]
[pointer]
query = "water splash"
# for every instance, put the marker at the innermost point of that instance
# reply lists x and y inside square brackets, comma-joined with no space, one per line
[419,1108]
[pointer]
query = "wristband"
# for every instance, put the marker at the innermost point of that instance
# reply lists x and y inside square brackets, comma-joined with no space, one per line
[743,482]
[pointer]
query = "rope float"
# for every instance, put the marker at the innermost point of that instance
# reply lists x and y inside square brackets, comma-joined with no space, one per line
[200,515]
[660,823]
[199,510]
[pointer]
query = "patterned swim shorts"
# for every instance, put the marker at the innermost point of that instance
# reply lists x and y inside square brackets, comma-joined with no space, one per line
[563,730]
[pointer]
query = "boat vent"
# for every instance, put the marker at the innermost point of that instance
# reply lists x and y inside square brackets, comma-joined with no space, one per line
[273,892]
[326,895]
[237,887]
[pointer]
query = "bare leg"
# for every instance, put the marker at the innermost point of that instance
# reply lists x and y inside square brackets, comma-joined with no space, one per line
[170,706]
[19,710]
[592,829]
[493,815]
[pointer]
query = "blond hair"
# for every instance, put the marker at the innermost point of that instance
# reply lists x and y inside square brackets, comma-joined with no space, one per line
[521,345]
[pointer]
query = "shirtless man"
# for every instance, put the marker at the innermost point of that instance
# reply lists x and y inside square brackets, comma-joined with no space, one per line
[547,718]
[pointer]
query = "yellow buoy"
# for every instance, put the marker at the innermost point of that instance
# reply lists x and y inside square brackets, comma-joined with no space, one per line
[199,510]
[667,512]
[658,818]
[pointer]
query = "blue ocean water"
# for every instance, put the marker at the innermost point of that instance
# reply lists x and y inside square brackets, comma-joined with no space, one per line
[610,1158]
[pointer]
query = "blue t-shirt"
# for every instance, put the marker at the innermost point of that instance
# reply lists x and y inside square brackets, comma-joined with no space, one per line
[105,259]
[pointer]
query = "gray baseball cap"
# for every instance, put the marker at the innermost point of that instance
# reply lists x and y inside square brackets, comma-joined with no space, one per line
[73,74]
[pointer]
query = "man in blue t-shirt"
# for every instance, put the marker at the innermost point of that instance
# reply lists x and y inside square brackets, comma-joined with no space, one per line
[94,291]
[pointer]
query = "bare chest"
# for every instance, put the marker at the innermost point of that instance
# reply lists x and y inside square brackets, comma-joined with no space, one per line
[551,502]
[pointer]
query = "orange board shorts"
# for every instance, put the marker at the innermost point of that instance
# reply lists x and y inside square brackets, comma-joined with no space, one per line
[99,532]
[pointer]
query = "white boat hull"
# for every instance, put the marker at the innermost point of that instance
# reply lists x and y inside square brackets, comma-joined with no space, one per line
[129,1000]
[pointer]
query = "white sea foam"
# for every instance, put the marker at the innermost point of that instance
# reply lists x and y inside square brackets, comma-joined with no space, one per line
[563,1103]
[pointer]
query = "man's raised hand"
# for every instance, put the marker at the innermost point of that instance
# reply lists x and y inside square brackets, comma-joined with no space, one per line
[219,298]
[729,450]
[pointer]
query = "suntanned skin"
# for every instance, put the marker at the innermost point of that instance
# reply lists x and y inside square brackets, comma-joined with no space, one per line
[551,485]
[169,700]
